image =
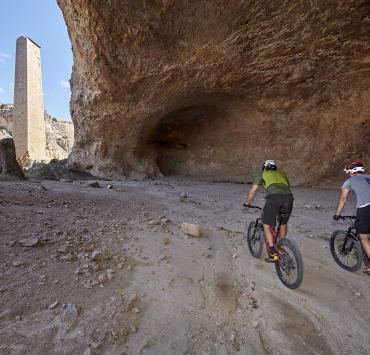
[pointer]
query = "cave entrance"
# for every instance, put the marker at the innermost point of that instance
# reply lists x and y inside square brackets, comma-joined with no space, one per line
[204,138]
[182,139]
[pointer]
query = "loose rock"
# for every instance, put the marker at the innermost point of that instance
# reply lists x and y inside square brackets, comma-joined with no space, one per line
[153,222]
[191,229]
[54,305]
[17,263]
[100,255]
[31,242]
[102,278]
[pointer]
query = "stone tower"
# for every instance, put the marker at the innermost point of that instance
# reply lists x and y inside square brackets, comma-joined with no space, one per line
[28,115]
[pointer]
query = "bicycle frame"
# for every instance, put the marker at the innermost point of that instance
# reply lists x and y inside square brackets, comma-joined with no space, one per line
[350,234]
[353,237]
[274,230]
[275,233]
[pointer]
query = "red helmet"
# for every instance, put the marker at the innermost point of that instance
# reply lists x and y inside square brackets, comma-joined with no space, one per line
[354,167]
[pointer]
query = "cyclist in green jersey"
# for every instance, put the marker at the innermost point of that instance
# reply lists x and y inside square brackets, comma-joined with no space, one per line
[279,203]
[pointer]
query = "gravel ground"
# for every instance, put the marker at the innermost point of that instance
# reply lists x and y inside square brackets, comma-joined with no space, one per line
[112,273]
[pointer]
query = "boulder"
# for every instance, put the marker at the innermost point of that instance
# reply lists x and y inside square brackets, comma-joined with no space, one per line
[9,167]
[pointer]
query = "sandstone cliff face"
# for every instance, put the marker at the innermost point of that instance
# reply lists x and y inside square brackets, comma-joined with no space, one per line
[59,134]
[215,87]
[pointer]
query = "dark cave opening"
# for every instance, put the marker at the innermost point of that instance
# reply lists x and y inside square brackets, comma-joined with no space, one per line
[180,136]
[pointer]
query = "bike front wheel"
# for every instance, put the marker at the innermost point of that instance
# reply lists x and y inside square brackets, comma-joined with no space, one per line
[346,251]
[290,266]
[255,239]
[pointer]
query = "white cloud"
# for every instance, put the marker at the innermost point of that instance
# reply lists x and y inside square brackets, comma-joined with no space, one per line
[64,84]
[4,57]
[2,90]
[11,85]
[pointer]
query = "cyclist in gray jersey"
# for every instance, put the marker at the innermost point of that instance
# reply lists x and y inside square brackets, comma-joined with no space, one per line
[359,183]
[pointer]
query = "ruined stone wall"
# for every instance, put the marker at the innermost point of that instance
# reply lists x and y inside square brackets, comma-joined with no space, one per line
[212,88]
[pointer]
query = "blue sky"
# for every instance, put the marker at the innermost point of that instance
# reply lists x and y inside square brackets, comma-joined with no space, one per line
[42,21]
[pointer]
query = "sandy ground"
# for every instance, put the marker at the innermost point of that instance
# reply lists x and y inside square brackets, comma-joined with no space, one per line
[153,290]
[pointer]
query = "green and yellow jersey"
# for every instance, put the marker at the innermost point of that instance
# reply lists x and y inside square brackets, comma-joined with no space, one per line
[274,182]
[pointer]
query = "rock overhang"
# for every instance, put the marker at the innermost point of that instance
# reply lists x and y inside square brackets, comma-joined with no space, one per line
[211,89]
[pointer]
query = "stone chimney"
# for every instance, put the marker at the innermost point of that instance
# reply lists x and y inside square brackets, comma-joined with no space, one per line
[28,114]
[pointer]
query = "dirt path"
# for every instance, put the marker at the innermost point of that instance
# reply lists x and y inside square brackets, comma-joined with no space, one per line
[127,281]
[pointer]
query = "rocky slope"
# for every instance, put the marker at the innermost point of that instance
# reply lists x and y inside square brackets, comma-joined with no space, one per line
[59,138]
[6,119]
[59,134]
[214,88]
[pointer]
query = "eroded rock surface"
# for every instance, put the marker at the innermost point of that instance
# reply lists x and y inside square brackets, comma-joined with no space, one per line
[9,167]
[214,88]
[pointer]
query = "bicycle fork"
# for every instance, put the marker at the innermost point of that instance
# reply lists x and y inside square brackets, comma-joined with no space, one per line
[344,249]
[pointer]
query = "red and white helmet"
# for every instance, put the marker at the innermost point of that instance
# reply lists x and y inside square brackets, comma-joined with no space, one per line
[354,167]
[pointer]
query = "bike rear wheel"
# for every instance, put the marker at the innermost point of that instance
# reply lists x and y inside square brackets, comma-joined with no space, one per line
[346,251]
[255,240]
[290,266]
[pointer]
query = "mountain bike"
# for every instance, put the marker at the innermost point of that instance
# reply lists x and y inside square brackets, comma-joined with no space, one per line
[289,268]
[346,248]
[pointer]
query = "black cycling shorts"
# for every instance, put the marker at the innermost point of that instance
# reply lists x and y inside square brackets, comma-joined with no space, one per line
[362,223]
[277,206]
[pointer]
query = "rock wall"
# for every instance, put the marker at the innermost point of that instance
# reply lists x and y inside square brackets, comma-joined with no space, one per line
[212,88]
[59,134]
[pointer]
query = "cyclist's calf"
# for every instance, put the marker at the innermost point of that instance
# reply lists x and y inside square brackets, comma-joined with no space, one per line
[268,234]
[365,243]
[283,231]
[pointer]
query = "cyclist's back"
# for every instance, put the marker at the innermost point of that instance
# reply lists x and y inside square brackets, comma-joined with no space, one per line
[360,185]
[275,182]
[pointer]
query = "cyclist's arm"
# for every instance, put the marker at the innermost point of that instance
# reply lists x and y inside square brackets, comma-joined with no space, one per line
[250,195]
[342,200]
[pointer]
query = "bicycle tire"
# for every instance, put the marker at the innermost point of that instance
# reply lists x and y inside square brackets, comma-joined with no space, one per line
[255,240]
[354,251]
[290,259]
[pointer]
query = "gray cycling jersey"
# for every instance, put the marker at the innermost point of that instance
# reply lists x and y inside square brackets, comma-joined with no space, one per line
[360,184]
